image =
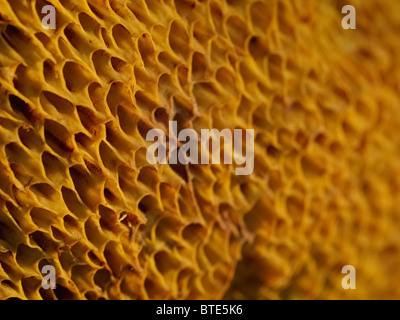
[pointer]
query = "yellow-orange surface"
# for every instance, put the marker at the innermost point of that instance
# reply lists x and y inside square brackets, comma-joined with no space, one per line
[77,192]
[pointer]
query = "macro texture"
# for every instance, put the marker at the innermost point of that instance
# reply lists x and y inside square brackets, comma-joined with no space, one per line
[76,190]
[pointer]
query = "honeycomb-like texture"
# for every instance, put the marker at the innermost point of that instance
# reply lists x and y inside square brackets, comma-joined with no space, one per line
[76,191]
